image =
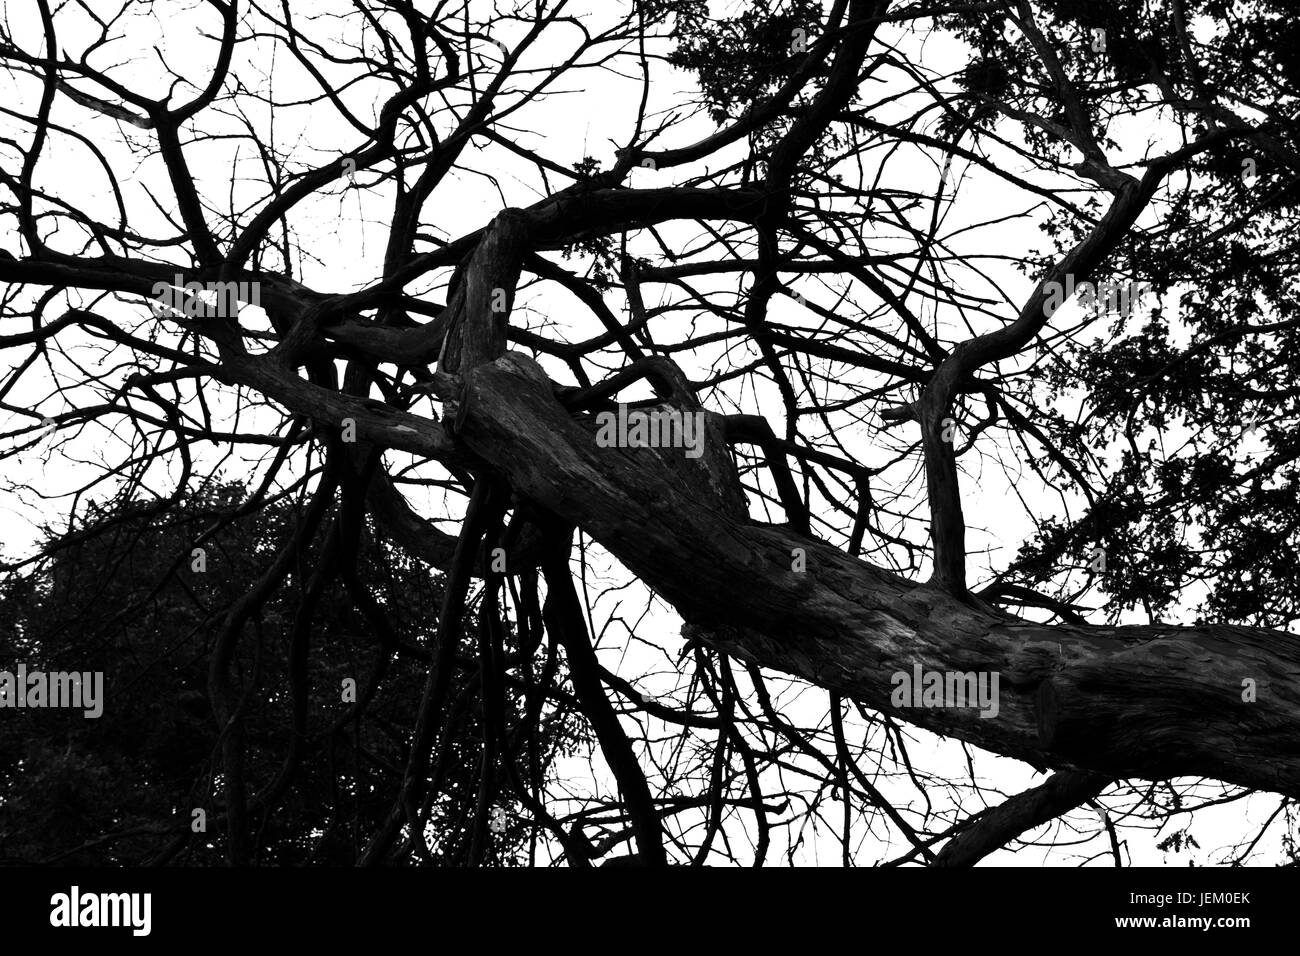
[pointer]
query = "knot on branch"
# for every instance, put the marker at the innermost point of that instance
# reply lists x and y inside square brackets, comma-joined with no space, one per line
[901,413]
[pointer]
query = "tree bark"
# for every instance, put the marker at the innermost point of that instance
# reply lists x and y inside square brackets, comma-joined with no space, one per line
[1131,701]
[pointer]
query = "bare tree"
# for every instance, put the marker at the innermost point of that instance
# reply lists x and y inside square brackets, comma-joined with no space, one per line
[800,282]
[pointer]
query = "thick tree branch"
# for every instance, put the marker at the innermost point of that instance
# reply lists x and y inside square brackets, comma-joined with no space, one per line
[999,825]
[1136,701]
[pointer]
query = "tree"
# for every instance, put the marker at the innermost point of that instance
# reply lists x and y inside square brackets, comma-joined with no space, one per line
[129,598]
[756,357]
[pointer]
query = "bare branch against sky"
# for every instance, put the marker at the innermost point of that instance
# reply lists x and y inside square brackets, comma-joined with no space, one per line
[649,433]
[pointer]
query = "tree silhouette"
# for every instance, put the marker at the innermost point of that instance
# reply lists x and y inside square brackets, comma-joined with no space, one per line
[986,312]
[129,598]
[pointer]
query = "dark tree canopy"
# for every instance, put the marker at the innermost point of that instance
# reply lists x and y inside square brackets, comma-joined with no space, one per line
[967,332]
[133,600]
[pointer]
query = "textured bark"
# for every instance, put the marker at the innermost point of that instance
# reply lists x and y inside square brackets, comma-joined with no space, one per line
[1140,701]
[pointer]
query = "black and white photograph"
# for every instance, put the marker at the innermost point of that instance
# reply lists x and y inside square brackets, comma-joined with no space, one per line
[674,435]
